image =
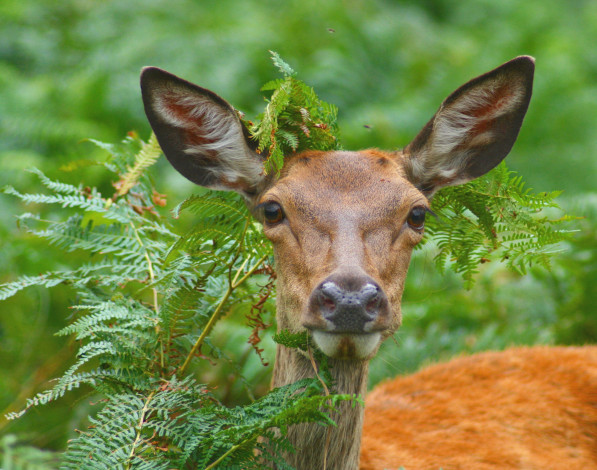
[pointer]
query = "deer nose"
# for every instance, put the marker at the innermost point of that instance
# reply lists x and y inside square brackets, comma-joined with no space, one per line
[350,305]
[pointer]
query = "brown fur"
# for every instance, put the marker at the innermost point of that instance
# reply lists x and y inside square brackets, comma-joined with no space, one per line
[347,234]
[528,408]
[320,241]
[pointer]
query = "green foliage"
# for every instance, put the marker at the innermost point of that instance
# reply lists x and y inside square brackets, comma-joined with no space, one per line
[494,217]
[295,119]
[180,424]
[142,296]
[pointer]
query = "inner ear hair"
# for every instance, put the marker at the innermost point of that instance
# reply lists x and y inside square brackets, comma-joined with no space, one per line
[200,133]
[474,128]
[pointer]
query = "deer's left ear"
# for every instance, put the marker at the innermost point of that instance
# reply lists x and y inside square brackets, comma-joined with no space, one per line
[474,128]
[200,134]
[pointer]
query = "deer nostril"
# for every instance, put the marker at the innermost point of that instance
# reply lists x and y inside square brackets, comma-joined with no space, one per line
[371,298]
[329,304]
[373,304]
[330,295]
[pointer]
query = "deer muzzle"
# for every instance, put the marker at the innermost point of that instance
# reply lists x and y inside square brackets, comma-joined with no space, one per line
[346,314]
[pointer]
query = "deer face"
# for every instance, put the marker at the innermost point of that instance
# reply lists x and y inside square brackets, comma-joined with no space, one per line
[343,224]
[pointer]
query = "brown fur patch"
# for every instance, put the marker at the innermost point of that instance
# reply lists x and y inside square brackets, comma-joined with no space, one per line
[531,408]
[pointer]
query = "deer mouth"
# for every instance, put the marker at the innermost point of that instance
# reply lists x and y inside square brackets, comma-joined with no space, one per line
[360,346]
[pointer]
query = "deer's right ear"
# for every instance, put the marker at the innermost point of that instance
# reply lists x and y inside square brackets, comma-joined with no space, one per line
[200,134]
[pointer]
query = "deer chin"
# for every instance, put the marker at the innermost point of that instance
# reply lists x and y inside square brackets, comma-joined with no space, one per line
[347,345]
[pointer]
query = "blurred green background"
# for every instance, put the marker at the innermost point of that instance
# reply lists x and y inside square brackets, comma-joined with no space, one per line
[69,71]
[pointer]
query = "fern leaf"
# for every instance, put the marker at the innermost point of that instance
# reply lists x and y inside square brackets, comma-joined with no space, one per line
[149,154]
[282,66]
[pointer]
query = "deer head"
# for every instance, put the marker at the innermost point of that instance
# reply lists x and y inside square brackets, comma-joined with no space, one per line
[343,224]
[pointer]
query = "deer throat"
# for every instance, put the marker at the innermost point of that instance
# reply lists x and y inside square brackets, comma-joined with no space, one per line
[338,446]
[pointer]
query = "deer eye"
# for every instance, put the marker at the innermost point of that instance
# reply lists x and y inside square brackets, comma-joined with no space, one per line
[416,218]
[272,212]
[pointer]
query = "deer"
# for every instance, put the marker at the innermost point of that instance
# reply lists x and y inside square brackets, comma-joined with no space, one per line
[343,225]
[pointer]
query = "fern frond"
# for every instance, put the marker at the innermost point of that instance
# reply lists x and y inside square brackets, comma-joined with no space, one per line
[282,66]
[43,280]
[100,379]
[69,200]
[104,273]
[149,154]
[140,430]
[56,186]
[223,218]
[294,119]
[494,218]
[301,402]
[91,203]
[131,320]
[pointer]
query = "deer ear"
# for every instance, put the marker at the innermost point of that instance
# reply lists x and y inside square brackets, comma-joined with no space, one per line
[200,133]
[474,128]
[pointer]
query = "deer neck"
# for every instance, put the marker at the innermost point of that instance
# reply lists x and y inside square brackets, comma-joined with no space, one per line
[311,440]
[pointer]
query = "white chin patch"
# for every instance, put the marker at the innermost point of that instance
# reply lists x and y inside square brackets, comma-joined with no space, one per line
[348,346]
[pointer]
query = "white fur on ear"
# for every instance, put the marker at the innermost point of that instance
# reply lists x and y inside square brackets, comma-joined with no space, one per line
[463,125]
[456,124]
[473,130]
[211,132]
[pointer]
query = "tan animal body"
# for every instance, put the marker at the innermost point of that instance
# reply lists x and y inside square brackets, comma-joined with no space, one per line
[343,226]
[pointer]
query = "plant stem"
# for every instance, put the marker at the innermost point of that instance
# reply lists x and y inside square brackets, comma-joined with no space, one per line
[328,434]
[138,430]
[149,267]
[226,454]
[234,283]
[249,273]
[156,304]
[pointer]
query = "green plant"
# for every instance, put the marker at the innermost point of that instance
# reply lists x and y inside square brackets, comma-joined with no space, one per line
[148,298]
[142,297]
[494,217]
[294,119]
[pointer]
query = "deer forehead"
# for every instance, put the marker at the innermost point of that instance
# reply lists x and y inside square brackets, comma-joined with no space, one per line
[332,187]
